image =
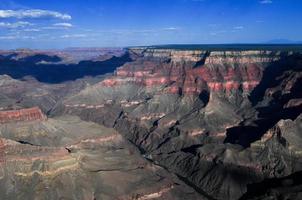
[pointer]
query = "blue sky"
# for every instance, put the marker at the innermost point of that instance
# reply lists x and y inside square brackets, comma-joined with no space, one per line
[109,23]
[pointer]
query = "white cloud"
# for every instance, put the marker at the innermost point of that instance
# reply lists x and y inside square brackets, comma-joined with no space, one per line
[266,1]
[63,25]
[140,31]
[19,24]
[219,32]
[8,37]
[16,37]
[171,29]
[58,26]
[73,36]
[33,13]
[51,28]
[32,30]
[238,27]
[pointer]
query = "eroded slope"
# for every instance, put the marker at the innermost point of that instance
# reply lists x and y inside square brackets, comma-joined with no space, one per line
[198,113]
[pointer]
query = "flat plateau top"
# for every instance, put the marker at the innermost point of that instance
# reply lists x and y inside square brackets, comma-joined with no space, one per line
[231,47]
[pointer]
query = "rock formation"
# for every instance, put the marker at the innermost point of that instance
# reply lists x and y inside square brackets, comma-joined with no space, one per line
[29,114]
[65,156]
[198,113]
[167,124]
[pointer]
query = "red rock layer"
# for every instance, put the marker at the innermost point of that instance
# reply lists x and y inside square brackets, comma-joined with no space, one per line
[223,78]
[191,72]
[29,114]
[2,150]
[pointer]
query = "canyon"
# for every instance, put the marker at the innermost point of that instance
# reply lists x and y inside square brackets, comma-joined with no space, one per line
[151,123]
[29,114]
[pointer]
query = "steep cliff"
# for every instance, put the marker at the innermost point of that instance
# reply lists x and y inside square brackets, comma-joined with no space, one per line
[29,114]
[197,112]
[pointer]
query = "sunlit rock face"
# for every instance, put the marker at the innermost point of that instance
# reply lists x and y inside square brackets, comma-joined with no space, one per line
[167,124]
[190,72]
[30,114]
[65,156]
[200,113]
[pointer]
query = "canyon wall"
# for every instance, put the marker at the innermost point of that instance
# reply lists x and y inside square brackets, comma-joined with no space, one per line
[193,71]
[29,114]
[198,113]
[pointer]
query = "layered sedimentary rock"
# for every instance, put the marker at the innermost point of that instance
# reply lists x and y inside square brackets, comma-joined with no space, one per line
[180,124]
[65,157]
[18,94]
[190,72]
[197,113]
[29,114]
[280,157]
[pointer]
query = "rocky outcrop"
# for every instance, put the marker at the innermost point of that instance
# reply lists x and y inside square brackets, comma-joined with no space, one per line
[172,55]
[70,157]
[197,113]
[190,72]
[29,114]
[280,154]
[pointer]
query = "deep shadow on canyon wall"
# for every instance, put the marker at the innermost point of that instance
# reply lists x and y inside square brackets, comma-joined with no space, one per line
[57,73]
[269,112]
[275,187]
